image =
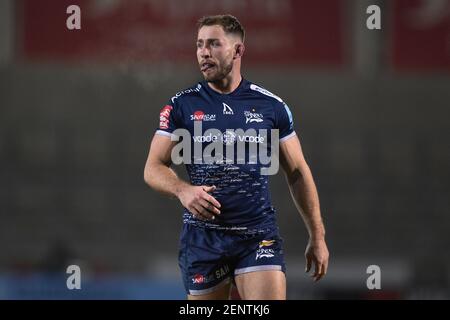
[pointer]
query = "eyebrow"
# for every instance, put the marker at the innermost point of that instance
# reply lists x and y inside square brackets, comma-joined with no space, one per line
[210,39]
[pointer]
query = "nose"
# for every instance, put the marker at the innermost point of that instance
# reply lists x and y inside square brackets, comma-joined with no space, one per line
[204,52]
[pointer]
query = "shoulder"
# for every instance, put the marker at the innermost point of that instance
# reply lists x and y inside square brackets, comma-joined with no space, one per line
[187,93]
[280,108]
[263,93]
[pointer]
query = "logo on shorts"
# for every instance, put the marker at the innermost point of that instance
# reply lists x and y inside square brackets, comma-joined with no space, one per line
[266,243]
[263,251]
[217,274]
[223,271]
[199,278]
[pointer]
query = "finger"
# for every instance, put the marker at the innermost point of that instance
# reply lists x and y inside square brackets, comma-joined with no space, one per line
[317,267]
[308,264]
[205,214]
[209,188]
[210,198]
[325,267]
[196,212]
[210,201]
[193,211]
[209,207]
[320,274]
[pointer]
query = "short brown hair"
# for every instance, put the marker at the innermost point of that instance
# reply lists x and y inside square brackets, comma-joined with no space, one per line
[229,23]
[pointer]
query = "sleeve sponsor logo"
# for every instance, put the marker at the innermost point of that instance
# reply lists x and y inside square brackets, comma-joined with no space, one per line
[164,117]
[265,92]
[179,94]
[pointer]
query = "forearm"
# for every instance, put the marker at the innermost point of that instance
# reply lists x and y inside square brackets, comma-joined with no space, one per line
[306,199]
[163,179]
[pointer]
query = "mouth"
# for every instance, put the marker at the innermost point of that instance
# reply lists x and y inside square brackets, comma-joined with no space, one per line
[206,66]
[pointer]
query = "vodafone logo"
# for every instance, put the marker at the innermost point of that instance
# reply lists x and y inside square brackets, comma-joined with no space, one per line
[199,115]
[208,138]
[164,117]
[252,139]
[229,137]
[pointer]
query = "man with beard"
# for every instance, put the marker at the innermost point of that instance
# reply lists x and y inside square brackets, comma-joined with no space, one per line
[230,233]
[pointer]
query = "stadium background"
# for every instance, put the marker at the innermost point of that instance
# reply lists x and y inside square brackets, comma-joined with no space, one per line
[78,110]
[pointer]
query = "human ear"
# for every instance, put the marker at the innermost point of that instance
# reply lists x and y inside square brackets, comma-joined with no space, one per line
[238,50]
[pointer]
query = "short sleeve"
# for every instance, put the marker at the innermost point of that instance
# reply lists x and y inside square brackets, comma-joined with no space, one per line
[168,120]
[285,123]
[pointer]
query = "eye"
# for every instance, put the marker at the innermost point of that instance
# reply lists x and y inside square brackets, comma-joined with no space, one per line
[199,44]
[215,44]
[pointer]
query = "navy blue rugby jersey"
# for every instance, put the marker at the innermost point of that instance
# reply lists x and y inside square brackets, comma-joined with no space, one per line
[239,118]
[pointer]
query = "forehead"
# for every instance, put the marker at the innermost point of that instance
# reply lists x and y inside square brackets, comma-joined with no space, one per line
[211,32]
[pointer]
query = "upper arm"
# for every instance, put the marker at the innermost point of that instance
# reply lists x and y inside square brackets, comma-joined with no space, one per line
[291,158]
[284,121]
[162,145]
[160,150]
[291,155]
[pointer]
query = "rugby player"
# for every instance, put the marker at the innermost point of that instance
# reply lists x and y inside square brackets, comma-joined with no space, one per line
[230,234]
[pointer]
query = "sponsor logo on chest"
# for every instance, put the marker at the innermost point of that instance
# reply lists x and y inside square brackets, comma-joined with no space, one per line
[227,109]
[199,115]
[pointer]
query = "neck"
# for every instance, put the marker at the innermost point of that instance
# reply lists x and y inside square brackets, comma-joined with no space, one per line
[227,84]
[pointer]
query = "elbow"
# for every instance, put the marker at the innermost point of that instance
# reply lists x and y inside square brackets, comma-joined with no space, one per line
[148,175]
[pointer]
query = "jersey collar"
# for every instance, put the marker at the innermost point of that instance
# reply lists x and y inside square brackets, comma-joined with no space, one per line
[236,91]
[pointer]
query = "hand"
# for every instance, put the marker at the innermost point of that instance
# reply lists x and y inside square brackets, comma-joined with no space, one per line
[317,252]
[197,200]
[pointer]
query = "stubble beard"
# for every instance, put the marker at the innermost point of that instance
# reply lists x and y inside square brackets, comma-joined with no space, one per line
[220,74]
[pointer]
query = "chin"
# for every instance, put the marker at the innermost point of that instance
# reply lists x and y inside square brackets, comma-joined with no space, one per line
[214,78]
[211,79]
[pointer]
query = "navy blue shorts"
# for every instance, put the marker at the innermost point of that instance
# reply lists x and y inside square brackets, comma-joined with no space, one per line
[211,258]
